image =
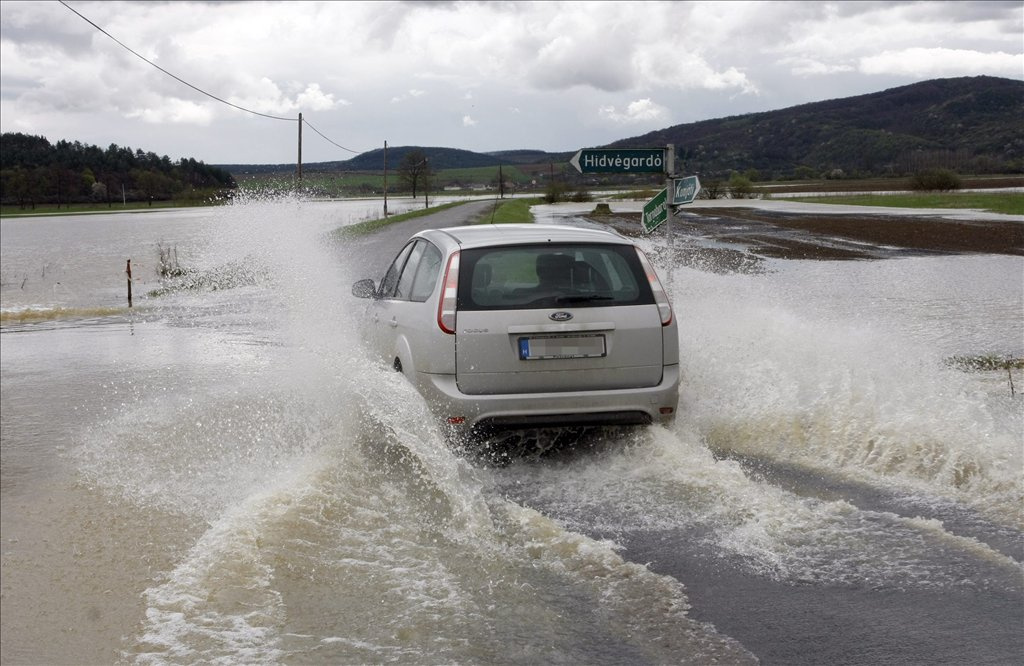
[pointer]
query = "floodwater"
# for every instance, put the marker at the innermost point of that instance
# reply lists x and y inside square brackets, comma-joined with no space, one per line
[221,475]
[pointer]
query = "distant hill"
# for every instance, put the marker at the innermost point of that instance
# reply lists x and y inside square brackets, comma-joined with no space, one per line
[440,158]
[968,124]
[529,156]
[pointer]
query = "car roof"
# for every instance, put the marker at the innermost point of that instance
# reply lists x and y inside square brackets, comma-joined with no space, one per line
[484,235]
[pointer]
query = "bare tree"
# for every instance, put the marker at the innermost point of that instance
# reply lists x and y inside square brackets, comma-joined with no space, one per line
[414,170]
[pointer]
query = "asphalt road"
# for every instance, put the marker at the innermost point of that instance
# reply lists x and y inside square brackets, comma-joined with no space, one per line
[370,255]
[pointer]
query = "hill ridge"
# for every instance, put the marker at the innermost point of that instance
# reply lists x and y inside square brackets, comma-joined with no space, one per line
[969,124]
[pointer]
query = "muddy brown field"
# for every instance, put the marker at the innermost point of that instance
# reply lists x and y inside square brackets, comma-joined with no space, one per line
[765,233]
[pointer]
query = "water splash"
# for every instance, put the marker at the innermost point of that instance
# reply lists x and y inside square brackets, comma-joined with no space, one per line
[334,523]
[858,388]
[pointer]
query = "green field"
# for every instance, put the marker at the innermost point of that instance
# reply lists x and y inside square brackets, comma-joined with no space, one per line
[1010,203]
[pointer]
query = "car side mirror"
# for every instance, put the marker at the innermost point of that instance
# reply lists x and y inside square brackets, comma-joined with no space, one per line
[364,289]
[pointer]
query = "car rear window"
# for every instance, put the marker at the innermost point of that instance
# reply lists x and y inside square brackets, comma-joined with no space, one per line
[551,275]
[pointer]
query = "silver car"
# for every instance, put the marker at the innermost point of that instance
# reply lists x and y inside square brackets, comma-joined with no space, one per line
[524,326]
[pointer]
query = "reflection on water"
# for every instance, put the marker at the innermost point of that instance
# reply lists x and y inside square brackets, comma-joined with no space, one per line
[221,474]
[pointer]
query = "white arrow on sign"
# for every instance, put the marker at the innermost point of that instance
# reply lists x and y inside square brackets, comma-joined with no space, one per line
[685,190]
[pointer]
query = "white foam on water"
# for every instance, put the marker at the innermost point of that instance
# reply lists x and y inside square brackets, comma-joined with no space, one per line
[669,482]
[843,366]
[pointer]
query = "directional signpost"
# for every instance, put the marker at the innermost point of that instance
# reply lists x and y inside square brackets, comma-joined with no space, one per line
[643,160]
[677,191]
[655,211]
[609,160]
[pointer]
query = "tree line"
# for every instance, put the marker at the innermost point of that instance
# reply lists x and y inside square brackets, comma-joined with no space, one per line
[34,171]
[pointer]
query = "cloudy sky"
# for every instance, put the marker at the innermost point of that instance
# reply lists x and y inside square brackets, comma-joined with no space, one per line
[480,76]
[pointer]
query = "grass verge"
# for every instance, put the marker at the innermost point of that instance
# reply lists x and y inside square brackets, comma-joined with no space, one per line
[37,315]
[510,211]
[1009,203]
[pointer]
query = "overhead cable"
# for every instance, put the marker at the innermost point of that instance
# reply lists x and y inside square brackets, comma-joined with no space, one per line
[356,152]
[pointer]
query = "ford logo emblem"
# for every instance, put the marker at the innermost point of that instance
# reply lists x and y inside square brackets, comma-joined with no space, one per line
[560,316]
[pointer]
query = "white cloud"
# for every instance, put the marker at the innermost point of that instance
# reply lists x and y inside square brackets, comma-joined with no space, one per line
[801,66]
[176,111]
[639,111]
[935,62]
[409,94]
[916,40]
[314,99]
[567,61]
[467,121]
[662,65]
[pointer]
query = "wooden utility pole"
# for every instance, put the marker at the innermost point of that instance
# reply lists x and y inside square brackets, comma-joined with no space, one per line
[298,169]
[128,270]
[385,179]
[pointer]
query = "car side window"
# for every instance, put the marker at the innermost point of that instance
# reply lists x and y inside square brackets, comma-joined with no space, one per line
[426,273]
[405,280]
[390,281]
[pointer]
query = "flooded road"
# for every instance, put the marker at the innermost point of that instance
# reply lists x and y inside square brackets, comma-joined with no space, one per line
[221,474]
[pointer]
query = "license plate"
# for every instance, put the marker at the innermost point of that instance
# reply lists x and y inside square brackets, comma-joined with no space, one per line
[562,346]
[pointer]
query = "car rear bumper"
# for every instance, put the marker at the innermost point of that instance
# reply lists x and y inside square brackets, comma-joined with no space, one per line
[571,408]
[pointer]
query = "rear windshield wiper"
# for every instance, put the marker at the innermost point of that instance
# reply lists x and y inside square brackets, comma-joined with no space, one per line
[582,298]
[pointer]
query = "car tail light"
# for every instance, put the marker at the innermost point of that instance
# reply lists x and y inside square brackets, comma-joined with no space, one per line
[446,307]
[660,296]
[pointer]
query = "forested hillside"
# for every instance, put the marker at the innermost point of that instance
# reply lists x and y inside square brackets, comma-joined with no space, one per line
[968,125]
[34,171]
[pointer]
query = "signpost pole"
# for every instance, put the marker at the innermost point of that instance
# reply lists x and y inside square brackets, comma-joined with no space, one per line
[670,168]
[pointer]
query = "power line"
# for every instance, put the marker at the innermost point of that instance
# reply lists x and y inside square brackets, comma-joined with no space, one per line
[356,152]
[200,90]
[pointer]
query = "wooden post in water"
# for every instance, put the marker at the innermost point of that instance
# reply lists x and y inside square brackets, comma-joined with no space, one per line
[128,270]
[298,164]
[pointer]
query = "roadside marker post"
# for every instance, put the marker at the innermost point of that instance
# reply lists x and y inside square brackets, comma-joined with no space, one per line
[670,169]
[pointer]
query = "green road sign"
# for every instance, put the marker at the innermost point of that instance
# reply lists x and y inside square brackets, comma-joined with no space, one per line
[600,160]
[655,211]
[684,190]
